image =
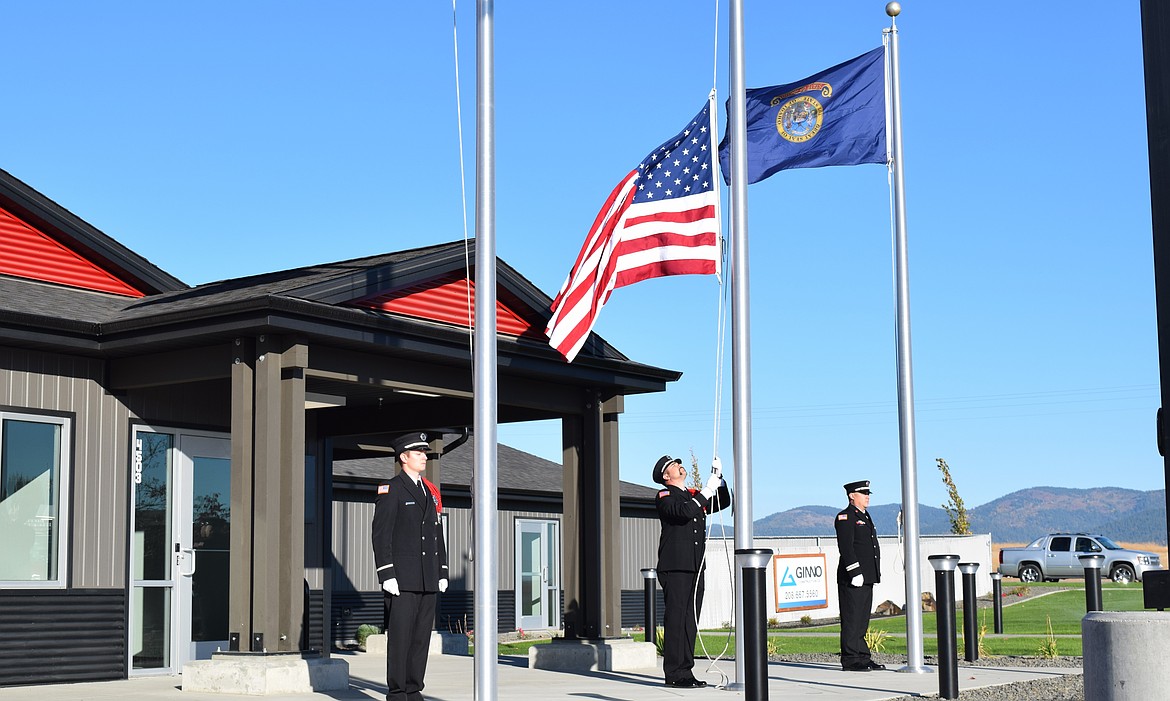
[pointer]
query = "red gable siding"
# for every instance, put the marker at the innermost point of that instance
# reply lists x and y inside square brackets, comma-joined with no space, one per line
[28,253]
[445,299]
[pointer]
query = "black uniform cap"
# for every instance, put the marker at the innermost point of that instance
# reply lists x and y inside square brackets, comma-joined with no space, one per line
[861,487]
[663,462]
[410,441]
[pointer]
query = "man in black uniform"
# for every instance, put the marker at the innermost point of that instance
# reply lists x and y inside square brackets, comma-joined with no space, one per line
[411,558]
[683,513]
[857,572]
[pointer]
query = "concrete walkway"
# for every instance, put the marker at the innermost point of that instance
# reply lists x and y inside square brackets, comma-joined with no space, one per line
[451,678]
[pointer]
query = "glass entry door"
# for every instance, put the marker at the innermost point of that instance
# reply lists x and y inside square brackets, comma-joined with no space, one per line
[179,548]
[538,581]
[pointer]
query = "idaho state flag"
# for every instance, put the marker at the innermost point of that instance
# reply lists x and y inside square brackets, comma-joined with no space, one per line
[834,118]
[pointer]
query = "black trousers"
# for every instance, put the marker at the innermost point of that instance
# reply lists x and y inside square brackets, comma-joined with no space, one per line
[683,605]
[856,603]
[408,642]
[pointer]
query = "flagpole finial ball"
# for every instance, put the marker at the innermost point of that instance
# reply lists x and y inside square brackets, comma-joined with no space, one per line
[893,9]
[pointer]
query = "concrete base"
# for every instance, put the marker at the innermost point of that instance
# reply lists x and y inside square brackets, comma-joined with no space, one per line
[1125,655]
[612,655]
[258,674]
[441,644]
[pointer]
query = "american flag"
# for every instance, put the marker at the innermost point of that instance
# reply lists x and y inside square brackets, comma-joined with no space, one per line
[661,219]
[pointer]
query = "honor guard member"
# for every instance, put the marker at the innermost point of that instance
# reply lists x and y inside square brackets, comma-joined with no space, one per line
[411,561]
[858,570]
[683,514]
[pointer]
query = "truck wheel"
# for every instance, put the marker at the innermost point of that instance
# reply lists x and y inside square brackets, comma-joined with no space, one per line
[1122,574]
[1030,573]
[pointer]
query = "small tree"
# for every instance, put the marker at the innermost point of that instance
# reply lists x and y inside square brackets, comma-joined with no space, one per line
[695,477]
[956,512]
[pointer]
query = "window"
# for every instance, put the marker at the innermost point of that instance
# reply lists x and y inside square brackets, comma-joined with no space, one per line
[33,492]
[1060,544]
[1087,545]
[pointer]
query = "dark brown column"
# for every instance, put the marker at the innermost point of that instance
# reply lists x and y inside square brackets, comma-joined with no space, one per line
[610,506]
[240,587]
[592,558]
[572,451]
[268,464]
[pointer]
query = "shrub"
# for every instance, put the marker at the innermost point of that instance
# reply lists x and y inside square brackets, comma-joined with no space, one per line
[875,639]
[1048,647]
[364,631]
[773,646]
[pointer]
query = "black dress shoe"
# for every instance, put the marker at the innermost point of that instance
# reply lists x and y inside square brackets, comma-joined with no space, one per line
[691,683]
[859,667]
[875,665]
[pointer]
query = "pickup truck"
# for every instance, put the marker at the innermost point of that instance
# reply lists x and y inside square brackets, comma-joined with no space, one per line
[1054,557]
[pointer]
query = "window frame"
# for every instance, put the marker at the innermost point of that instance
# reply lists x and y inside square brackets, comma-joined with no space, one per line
[63,535]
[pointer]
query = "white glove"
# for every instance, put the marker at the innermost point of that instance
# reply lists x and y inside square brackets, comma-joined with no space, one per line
[717,467]
[390,586]
[442,585]
[858,580]
[712,487]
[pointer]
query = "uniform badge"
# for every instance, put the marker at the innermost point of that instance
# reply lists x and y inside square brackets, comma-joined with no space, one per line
[383,489]
[842,517]
[664,493]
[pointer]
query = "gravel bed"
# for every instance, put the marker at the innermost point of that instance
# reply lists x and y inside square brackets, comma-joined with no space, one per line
[1067,687]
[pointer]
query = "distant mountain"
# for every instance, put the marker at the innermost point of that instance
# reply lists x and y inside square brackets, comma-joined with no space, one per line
[1121,514]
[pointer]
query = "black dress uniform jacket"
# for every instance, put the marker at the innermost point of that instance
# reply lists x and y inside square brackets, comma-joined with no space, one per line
[858,544]
[683,513]
[408,535]
[683,516]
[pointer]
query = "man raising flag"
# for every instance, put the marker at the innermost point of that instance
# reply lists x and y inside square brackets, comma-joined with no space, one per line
[661,219]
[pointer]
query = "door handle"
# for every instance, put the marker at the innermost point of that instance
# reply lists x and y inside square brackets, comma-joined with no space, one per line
[187,554]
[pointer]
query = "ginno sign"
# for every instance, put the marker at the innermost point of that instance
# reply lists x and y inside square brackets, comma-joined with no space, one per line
[800,582]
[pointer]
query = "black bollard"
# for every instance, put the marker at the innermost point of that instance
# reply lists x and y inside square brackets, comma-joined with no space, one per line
[650,604]
[753,562]
[970,612]
[948,664]
[1092,565]
[997,594]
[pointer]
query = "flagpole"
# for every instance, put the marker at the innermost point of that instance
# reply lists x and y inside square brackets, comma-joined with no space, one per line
[906,440]
[484,494]
[741,394]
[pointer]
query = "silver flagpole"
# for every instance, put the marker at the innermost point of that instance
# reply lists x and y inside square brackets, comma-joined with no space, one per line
[741,356]
[906,440]
[485,485]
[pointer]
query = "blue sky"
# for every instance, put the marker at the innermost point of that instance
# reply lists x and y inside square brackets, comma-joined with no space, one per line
[224,139]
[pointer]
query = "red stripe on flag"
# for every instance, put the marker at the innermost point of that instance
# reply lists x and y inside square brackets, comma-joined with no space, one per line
[687,215]
[667,238]
[664,268]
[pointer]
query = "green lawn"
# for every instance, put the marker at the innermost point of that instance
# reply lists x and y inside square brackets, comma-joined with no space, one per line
[1028,619]
[992,646]
[1066,609]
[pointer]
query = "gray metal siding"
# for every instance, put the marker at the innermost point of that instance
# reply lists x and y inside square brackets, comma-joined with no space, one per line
[639,549]
[33,382]
[352,549]
[99,464]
